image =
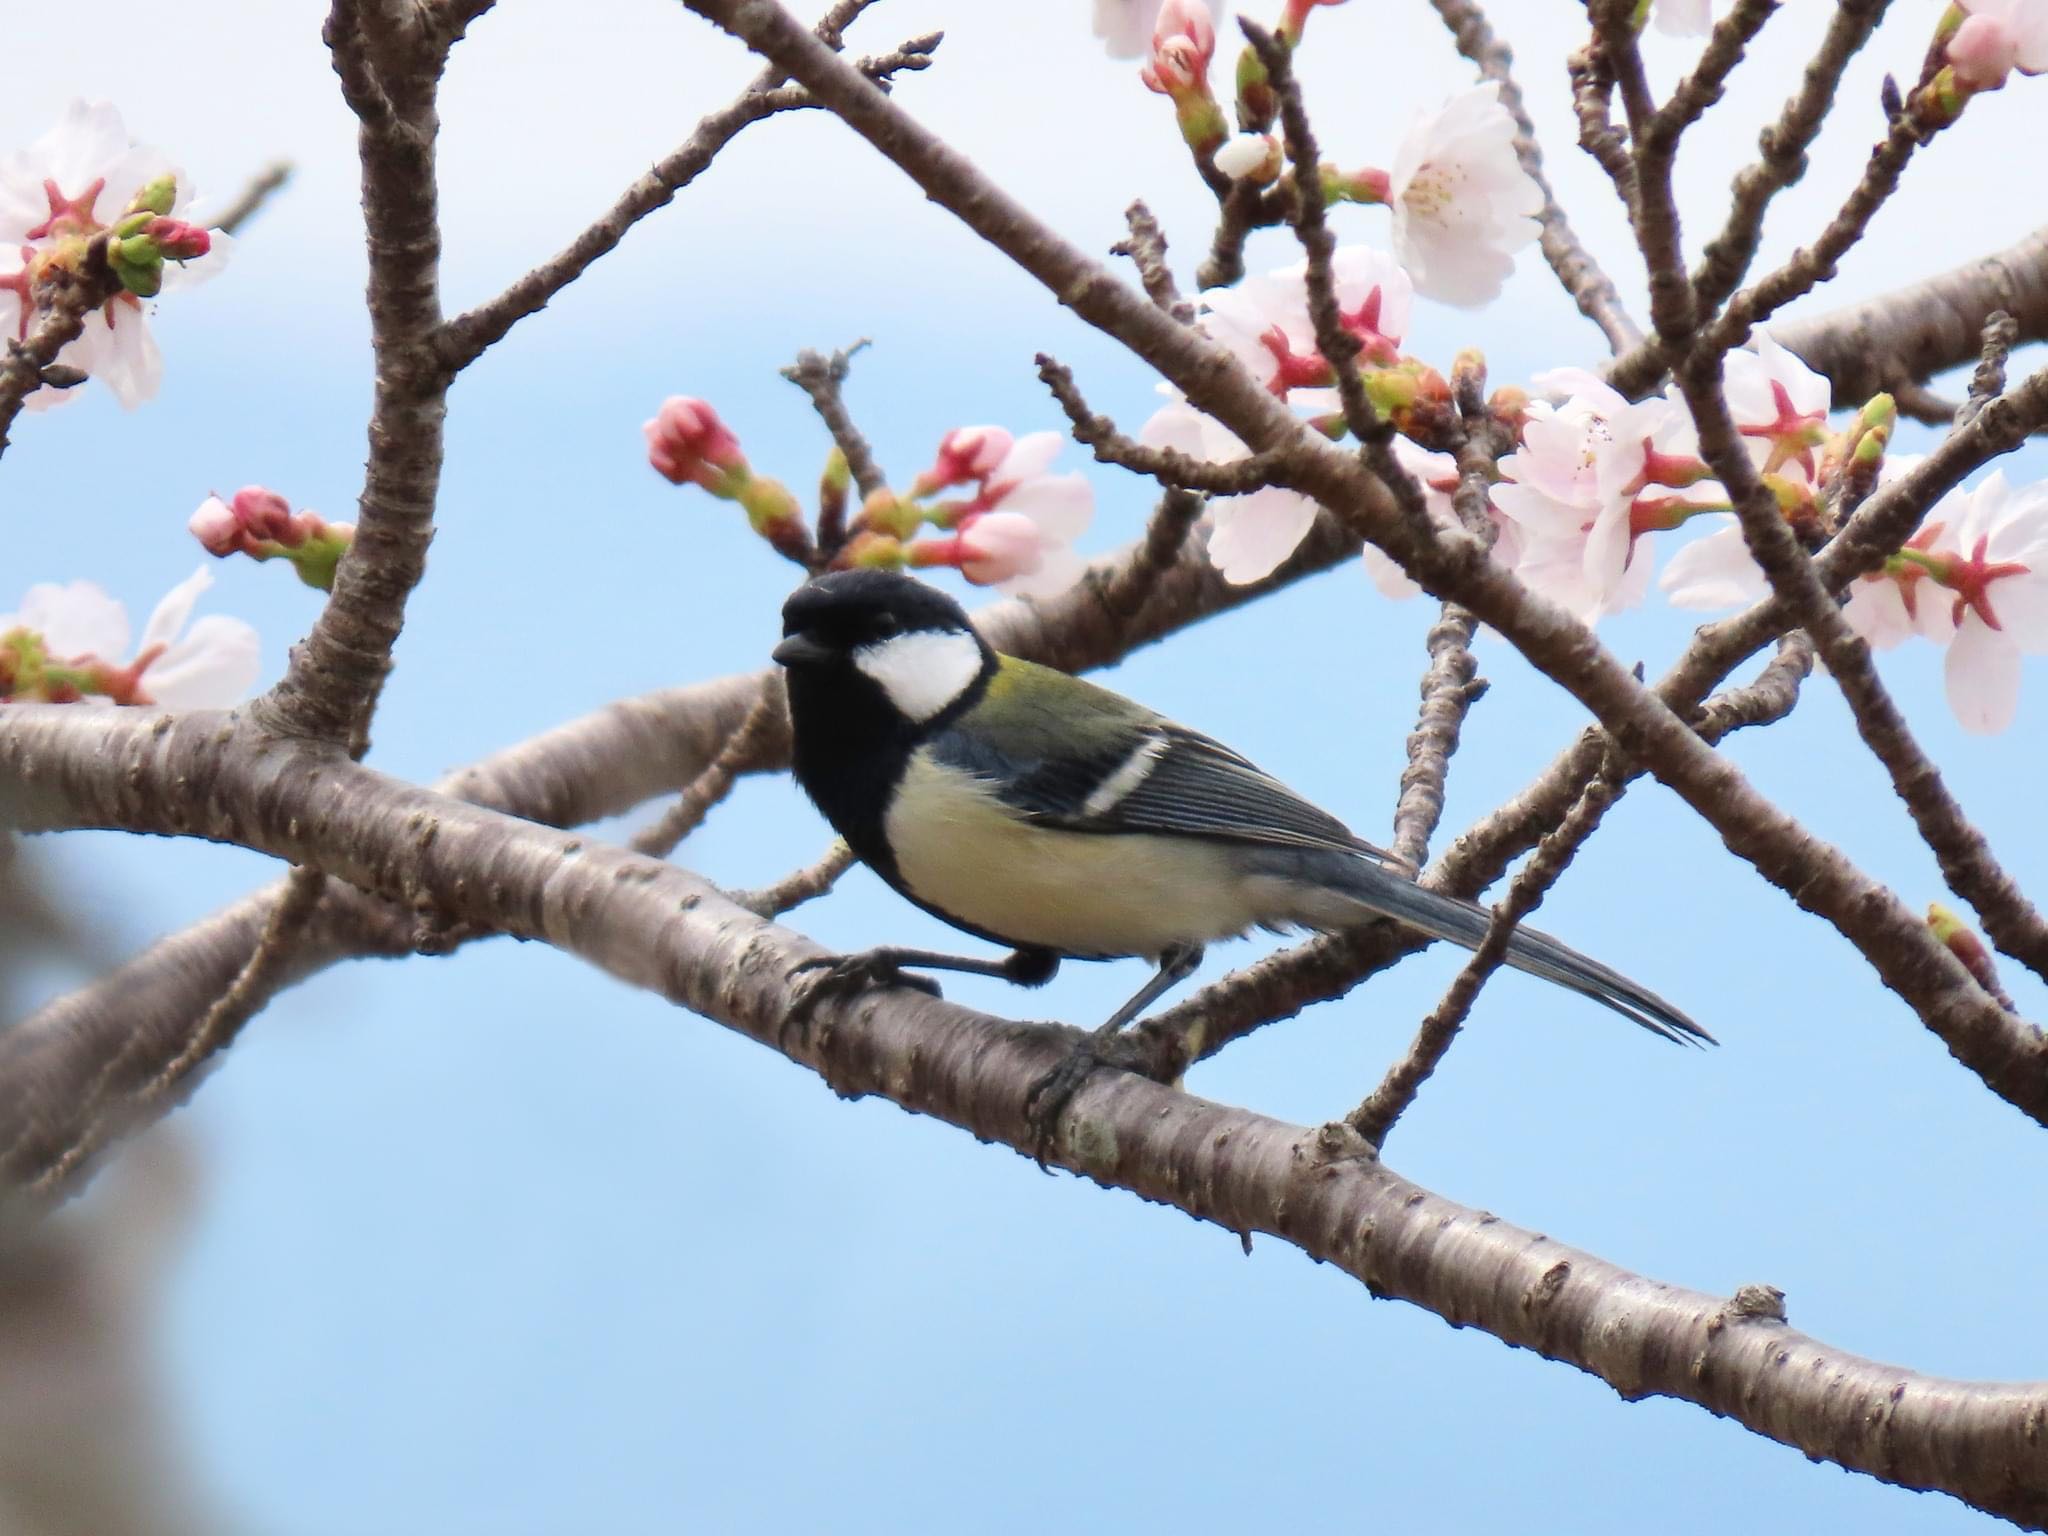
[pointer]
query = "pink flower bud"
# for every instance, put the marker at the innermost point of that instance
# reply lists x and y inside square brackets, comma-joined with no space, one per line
[177,240]
[1183,43]
[965,453]
[216,527]
[688,444]
[263,514]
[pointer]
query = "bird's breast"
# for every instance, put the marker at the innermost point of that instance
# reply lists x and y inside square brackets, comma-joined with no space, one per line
[968,857]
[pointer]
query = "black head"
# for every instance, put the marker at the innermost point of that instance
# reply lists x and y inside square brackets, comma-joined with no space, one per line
[827,621]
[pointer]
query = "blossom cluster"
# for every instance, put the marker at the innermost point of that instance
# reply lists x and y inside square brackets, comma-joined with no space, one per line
[63,644]
[1011,523]
[84,193]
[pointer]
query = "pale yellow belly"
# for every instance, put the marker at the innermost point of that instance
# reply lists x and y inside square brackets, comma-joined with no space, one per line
[1081,893]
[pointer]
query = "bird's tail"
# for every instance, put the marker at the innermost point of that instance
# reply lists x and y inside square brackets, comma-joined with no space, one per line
[1357,882]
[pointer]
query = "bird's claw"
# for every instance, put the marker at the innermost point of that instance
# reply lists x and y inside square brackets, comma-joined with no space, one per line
[847,976]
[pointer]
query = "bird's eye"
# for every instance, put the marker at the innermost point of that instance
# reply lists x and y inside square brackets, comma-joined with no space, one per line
[885,625]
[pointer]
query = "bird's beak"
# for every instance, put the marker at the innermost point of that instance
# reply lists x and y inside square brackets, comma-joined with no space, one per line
[800,650]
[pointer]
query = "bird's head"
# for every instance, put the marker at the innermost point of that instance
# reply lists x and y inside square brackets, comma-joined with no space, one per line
[906,639]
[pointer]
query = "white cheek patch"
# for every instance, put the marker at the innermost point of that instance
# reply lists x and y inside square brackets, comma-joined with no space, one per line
[924,672]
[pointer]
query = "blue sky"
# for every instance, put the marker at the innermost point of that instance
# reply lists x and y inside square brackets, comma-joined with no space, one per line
[493,1244]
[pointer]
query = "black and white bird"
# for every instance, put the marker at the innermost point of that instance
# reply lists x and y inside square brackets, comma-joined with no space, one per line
[1042,812]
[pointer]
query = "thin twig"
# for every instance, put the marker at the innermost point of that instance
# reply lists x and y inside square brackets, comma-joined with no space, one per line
[1375,1117]
[1337,345]
[1704,83]
[65,299]
[1987,383]
[799,886]
[253,197]
[1449,684]
[1166,533]
[1169,466]
[1781,163]
[464,339]
[659,838]
[1146,247]
[821,377]
[1245,207]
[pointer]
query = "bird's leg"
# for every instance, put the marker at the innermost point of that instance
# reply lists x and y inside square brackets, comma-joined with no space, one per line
[1051,1094]
[884,967]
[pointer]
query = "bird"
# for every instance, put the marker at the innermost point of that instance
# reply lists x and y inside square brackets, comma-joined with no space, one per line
[1057,818]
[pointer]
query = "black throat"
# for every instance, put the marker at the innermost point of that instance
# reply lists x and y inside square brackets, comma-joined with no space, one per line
[850,749]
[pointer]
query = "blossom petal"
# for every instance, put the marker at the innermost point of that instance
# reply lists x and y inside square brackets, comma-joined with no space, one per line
[1029,456]
[1062,505]
[1714,572]
[1983,676]
[76,620]
[213,667]
[1388,577]
[1256,532]
[176,607]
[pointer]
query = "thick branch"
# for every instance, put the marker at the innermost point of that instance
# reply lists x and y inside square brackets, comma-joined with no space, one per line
[1929,327]
[390,77]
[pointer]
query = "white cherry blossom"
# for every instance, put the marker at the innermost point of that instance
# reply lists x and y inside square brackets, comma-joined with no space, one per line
[74,181]
[1461,201]
[83,630]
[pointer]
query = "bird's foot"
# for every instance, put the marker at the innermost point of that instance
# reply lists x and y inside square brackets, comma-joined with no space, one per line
[1053,1093]
[844,976]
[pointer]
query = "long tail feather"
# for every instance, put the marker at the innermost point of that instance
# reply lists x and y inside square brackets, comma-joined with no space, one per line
[1387,894]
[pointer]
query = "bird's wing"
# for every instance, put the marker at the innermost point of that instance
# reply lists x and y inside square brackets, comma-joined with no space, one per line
[1154,776]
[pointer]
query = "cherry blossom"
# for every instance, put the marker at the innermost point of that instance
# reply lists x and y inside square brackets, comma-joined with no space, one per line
[261,524]
[1575,491]
[1461,201]
[1997,37]
[1988,553]
[1018,530]
[1779,404]
[1264,321]
[1011,551]
[61,644]
[965,454]
[1256,155]
[72,184]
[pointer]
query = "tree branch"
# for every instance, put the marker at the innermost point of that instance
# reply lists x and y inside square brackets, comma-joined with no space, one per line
[1929,327]
[252,199]
[390,77]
